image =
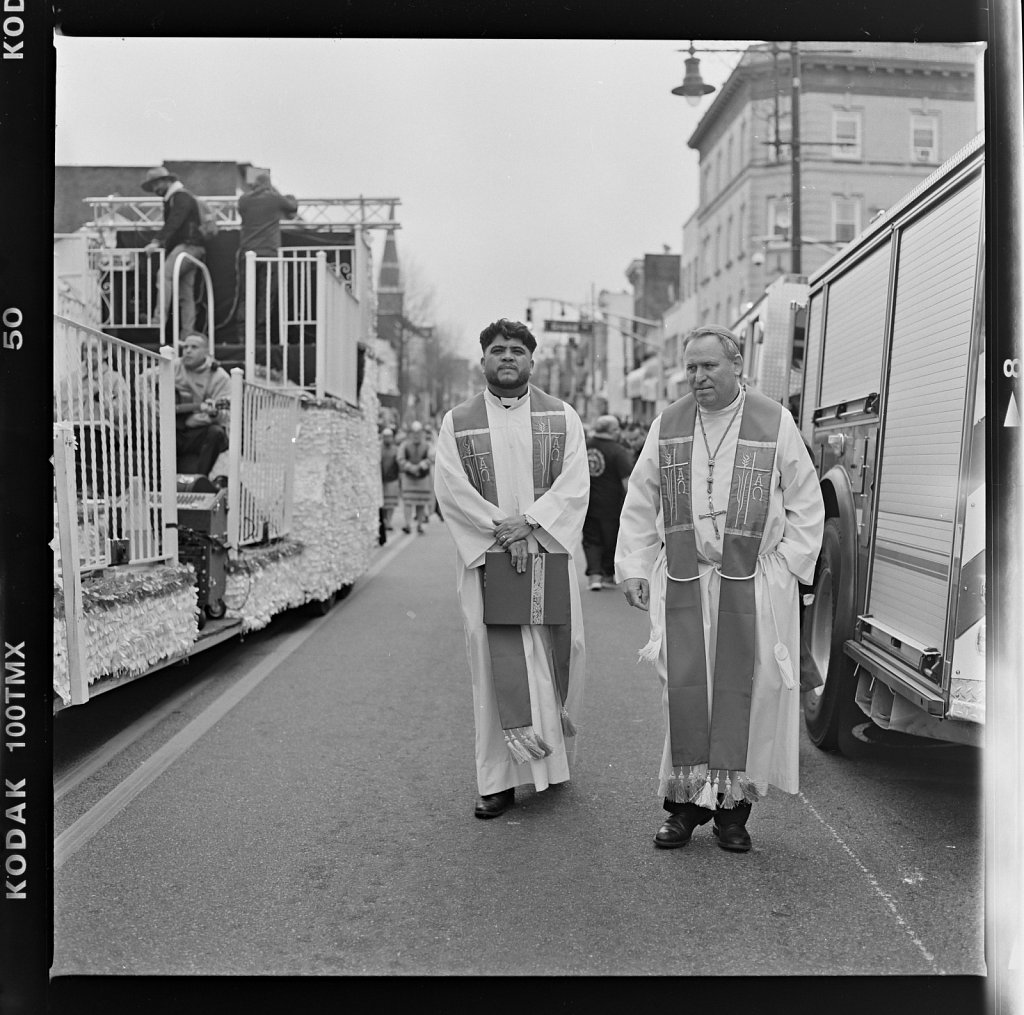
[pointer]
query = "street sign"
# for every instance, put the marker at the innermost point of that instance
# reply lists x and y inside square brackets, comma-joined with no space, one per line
[574,327]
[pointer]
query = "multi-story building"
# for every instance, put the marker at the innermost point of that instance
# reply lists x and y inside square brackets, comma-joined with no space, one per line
[874,120]
[655,281]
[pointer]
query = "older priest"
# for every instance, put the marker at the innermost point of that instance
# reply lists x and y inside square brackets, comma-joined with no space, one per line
[723,516]
[511,477]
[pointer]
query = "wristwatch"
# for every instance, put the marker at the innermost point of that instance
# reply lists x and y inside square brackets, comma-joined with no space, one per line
[529,521]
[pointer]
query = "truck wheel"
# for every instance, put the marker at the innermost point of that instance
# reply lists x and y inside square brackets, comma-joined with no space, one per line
[216,610]
[830,710]
[344,591]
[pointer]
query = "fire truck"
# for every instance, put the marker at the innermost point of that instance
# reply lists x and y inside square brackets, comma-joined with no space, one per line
[771,334]
[893,407]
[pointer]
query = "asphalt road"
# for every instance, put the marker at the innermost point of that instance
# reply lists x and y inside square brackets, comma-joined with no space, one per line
[323,823]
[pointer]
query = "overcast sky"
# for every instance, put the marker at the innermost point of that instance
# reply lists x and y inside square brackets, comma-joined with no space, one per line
[525,168]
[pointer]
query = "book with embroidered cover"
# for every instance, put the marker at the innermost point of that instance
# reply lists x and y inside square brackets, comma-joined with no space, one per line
[540,595]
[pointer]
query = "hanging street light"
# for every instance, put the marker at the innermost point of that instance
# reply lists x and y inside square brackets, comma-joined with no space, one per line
[693,88]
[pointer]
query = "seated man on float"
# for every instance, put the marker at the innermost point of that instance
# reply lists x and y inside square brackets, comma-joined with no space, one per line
[201,393]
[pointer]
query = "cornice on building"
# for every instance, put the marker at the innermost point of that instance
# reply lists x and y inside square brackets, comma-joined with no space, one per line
[756,65]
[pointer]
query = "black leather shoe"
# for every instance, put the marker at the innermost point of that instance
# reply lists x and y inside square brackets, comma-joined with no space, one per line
[492,804]
[678,827]
[730,828]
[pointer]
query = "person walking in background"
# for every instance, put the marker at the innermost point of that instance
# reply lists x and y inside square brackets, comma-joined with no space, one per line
[723,517]
[179,234]
[389,475]
[512,478]
[260,212]
[414,463]
[610,465]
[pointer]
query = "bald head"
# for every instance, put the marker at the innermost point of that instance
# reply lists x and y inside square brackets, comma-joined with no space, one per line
[606,426]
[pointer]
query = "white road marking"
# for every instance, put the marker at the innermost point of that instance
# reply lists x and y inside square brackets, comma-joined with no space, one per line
[76,835]
[878,890]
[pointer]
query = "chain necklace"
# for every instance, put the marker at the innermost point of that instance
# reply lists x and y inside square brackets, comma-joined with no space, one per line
[712,513]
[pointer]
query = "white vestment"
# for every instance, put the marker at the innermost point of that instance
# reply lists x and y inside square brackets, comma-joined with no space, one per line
[788,551]
[470,520]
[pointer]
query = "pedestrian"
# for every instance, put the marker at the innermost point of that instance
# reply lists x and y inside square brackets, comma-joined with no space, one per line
[179,234]
[723,489]
[389,475]
[610,465]
[201,390]
[414,463]
[260,212]
[512,479]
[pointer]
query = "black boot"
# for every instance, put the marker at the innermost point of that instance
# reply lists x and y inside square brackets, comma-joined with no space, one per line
[730,829]
[679,825]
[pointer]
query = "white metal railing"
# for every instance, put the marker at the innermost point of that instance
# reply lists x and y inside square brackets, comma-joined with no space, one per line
[67,574]
[340,260]
[338,324]
[183,258]
[119,402]
[261,453]
[129,286]
[303,322]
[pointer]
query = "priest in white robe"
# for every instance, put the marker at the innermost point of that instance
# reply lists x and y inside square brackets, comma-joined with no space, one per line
[723,517]
[511,474]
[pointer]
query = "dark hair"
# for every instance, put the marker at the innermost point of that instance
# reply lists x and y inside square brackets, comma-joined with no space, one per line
[730,346]
[512,330]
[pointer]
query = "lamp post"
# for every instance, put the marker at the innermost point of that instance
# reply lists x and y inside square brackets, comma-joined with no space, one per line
[693,89]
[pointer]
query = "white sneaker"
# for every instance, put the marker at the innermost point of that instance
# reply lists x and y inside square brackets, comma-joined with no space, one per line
[596,583]
[609,583]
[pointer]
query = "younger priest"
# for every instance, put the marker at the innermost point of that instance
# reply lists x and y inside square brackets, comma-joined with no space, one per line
[723,517]
[511,476]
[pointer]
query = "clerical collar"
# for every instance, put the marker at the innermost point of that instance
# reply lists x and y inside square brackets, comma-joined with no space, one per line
[509,403]
[713,413]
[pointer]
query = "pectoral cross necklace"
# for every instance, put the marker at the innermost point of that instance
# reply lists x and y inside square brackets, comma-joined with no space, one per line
[712,513]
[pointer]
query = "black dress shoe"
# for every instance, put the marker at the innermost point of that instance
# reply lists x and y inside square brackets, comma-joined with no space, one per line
[491,805]
[678,827]
[730,828]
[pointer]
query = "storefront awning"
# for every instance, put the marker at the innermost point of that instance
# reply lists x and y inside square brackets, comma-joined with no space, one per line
[635,383]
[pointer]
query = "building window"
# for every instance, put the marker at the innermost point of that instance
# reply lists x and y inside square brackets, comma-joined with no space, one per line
[742,147]
[718,249]
[846,135]
[741,234]
[779,219]
[728,159]
[924,139]
[845,218]
[728,241]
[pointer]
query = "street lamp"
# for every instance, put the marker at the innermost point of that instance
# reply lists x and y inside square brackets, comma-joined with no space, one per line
[693,88]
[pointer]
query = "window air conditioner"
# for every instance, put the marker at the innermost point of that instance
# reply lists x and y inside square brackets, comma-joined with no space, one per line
[924,155]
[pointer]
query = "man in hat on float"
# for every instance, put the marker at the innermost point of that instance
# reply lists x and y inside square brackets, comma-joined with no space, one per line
[180,233]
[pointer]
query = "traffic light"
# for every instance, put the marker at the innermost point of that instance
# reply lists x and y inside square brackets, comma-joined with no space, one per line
[529,315]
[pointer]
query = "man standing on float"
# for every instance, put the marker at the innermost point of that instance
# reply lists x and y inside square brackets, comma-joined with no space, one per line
[511,475]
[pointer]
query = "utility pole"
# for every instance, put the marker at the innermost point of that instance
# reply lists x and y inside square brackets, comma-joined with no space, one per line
[794,144]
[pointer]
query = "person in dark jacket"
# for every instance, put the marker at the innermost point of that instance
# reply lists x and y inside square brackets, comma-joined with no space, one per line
[179,234]
[260,212]
[610,465]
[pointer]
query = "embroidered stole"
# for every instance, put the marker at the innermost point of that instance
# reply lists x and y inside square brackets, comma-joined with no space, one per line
[505,641]
[721,743]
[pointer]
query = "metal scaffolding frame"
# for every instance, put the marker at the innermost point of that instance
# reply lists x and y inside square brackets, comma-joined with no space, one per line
[324,213]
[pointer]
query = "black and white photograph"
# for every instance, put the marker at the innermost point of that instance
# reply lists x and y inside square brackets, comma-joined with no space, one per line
[530,514]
